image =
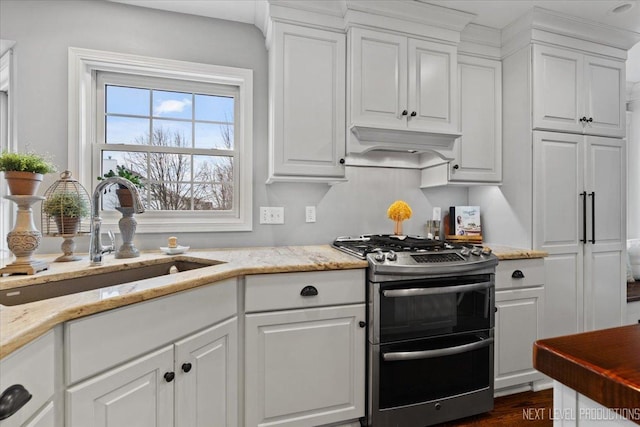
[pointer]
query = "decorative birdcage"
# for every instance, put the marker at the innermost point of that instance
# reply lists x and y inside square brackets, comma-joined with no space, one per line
[66,212]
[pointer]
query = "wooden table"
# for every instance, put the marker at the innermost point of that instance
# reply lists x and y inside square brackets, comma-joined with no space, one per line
[602,365]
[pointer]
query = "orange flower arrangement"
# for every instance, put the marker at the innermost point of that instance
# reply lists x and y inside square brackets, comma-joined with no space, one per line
[398,212]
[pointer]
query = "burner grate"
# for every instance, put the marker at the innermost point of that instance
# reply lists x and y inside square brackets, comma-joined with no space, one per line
[441,257]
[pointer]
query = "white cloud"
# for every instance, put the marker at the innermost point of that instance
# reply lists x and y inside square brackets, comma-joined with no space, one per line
[172,106]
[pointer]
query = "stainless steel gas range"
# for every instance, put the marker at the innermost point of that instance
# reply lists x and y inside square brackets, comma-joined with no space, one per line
[430,319]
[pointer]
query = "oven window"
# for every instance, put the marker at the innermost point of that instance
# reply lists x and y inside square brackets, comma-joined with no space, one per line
[430,377]
[419,309]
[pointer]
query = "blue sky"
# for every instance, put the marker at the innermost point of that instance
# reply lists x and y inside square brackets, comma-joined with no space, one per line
[208,111]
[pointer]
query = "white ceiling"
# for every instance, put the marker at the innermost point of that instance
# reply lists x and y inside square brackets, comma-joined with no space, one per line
[491,13]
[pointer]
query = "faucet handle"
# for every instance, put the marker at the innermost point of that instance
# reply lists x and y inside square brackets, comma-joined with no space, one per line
[111,247]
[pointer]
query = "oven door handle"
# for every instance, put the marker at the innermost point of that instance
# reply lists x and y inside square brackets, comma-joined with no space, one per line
[412,292]
[400,356]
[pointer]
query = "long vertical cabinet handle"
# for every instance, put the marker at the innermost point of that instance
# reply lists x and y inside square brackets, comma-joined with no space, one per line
[584,217]
[593,216]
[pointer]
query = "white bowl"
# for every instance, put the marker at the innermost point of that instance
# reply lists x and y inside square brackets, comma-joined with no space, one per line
[175,251]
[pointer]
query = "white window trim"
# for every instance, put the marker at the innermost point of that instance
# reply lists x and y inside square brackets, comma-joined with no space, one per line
[83,66]
[8,84]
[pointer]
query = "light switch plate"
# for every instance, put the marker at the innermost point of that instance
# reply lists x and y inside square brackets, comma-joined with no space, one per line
[310,213]
[271,215]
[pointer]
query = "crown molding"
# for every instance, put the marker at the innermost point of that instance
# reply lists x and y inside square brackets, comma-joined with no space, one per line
[542,25]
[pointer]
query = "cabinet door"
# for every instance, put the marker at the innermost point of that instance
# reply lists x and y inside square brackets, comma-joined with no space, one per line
[518,326]
[604,280]
[605,96]
[134,394]
[433,87]
[378,78]
[45,418]
[305,367]
[558,181]
[558,90]
[478,152]
[206,385]
[308,101]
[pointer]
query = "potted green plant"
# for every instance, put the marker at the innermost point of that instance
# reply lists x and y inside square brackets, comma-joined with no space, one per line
[24,171]
[123,193]
[67,209]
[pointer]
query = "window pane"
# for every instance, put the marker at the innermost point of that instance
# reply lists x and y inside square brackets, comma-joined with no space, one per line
[214,136]
[169,196]
[213,196]
[127,100]
[214,177]
[126,130]
[177,105]
[169,133]
[164,167]
[132,161]
[214,108]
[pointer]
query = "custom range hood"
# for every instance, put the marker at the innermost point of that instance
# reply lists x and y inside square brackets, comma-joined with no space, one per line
[402,91]
[374,146]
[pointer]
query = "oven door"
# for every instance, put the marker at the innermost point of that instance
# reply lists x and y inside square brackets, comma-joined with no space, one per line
[432,369]
[431,307]
[424,382]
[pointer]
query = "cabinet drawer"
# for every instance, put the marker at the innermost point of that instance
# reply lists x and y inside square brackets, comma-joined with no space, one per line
[283,290]
[96,343]
[33,367]
[532,273]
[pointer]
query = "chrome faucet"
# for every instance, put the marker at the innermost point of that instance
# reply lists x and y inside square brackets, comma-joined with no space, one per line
[95,245]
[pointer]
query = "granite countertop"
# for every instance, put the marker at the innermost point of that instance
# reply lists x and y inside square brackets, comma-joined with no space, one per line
[23,323]
[507,252]
[602,365]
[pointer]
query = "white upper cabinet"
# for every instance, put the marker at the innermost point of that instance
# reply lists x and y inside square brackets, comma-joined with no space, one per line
[478,152]
[379,78]
[433,86]
[577,93]
[307,92]
[402,83]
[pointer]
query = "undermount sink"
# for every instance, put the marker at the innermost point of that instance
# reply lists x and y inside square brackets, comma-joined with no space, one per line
[57,288]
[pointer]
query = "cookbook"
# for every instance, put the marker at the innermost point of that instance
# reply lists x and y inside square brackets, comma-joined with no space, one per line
[465,221]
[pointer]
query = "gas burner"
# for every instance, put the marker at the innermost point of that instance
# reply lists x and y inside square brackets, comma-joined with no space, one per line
[414,255]
[365,244]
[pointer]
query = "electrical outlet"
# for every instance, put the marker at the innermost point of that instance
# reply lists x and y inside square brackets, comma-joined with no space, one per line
[437,212]
[271,215]
[310,213]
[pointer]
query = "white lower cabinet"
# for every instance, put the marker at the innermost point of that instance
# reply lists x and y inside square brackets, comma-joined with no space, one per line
[45,418]
[133,394]
[519,305]
[193,381]
[206,367]
[30,370]
[304,366]
[170,361]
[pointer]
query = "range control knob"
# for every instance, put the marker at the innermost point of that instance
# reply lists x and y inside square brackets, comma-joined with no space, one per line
[476,251]
[465,252]
[486,251]
[379,256]
[392,256]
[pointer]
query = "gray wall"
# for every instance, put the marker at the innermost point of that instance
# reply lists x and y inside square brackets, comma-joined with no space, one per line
[43,31]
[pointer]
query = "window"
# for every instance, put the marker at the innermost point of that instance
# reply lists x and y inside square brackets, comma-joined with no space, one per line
[179,138]
[7,121]
[183,128]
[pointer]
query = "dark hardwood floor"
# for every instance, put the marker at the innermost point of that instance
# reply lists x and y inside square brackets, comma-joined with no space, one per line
[527,409]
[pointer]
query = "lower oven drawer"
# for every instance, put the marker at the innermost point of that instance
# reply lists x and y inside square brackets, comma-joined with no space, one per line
[427,370]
